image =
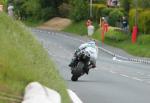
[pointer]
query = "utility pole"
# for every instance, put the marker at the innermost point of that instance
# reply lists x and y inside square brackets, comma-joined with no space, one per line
[91,8]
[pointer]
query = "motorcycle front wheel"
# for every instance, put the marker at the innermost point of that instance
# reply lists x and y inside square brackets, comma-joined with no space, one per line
[74,78]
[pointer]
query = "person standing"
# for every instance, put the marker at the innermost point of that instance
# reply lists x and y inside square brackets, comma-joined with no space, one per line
[124,23]
[1,8]
[90,30]
[10,10]
[88,23]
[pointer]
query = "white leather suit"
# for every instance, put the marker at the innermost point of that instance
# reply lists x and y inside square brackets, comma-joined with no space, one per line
[92,49]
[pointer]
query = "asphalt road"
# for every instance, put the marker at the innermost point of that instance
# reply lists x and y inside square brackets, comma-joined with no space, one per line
[113,81]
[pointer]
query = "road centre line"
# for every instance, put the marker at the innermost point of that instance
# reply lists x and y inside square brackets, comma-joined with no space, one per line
[135,78]
[113,72]
[124,75]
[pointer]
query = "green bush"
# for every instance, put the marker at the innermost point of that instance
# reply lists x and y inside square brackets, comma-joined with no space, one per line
[115,16]
[116,35]
[97,11]
[47,13]
[144,39]
[79,10]
[106,11]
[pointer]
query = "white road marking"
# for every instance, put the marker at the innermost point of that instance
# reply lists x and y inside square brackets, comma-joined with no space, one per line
[124,75]
[115,59]
[135,78]
[113,72]
[140,73]
[74,97]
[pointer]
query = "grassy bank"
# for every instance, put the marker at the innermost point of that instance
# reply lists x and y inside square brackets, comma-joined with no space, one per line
[116,39]
[23,60]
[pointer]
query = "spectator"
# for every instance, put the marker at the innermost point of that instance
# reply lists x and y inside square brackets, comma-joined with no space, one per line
[10,10]
[124,23]
[88,23]
[1,8]
[90,30]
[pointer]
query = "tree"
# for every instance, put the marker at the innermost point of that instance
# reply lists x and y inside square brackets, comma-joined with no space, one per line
[79,9]
[37,9]
[144,3]
[126,4]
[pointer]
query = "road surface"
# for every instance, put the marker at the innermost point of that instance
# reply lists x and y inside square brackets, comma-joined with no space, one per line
[113,80]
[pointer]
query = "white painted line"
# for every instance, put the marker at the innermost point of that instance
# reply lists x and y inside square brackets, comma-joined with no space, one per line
[74,97]
[140,73]
[135,78]
[124,75]
[113,72]
[115,59]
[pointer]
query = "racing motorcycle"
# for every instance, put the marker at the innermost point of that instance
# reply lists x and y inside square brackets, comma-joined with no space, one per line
[81,65]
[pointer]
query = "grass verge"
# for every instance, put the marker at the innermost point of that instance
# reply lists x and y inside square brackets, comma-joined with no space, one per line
[33,23]
[23,60]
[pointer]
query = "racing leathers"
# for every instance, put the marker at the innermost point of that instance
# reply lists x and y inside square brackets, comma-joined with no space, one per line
[92,49]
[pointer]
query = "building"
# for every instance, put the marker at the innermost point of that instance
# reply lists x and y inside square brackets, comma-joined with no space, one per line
[113,3]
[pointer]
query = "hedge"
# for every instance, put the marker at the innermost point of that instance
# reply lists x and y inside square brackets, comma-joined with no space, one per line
[115,16]
[97,11]
[116,34]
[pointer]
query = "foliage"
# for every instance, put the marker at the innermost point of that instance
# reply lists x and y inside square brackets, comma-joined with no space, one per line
[99,1]
[144,39]
[64,9]
[116,35]
[143,20]
[2,2]
[105,12]
[79,10]
[126,4]
[115,16]
[37,9]
[97,11]
[144,4]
